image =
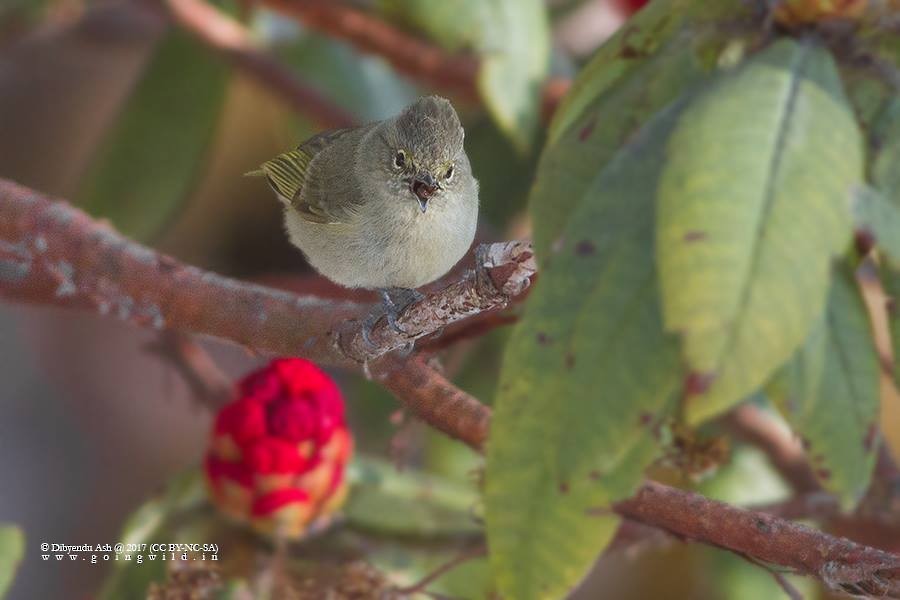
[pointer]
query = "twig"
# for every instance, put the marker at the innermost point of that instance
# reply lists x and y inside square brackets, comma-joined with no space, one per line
[225,35]
[53,254]
[752,425]
[463,557]
[408,54]
[782,581]
[209,385]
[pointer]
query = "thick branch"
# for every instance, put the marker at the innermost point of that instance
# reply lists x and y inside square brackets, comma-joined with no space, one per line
[51,253]
[435,400]
[840,563]
[225,35]
[408,54]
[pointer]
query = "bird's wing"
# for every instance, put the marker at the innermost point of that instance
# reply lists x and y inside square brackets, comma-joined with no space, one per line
[289,173]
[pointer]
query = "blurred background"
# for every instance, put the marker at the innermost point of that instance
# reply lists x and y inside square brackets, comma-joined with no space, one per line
[120,109]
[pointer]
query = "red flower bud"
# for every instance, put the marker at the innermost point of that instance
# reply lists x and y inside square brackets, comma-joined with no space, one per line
[279,451]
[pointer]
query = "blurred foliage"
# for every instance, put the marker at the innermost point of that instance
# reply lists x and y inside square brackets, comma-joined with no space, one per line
[388,516]
[146,168]
[386,500]
[12,550]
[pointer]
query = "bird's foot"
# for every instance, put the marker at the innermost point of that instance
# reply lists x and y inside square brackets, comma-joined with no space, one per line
[394,302]
[397,300]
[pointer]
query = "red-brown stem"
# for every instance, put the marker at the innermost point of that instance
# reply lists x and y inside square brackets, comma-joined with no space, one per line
[435,400]
[210,386]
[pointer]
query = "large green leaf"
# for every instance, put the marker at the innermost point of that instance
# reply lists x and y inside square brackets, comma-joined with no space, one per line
[386,500]
[147,165]
[12,549]
[829,392]
[587,372]
[753,204]
[662,51]
[512,40]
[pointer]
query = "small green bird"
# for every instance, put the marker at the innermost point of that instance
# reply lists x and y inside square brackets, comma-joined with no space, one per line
[391,205]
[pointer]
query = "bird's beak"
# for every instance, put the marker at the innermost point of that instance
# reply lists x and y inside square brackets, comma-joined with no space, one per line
[424,186]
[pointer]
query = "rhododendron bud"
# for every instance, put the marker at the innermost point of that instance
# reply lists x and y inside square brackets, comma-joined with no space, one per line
[279,451]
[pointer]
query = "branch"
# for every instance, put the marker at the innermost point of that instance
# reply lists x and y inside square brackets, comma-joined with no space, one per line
[231,39]
[752,425]
[838,562]
[209,385]
[435,400]
[53,254]
[408,54]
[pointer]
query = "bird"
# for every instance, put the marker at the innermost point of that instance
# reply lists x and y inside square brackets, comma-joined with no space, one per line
[389,206]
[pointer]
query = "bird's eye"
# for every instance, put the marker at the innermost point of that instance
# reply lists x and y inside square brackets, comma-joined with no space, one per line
[400,159]
[449,174]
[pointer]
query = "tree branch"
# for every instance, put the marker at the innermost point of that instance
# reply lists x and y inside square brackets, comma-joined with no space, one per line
[231,39]
[209,385]
[408,54]
[838,562]
[53,254]
[752,425]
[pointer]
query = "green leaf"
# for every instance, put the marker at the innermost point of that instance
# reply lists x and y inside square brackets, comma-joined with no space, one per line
[587,372]
[829,392]
[636,73]
[512,40]
[875,214]
[148,163]
[752,206]
[385,500]
[12,550]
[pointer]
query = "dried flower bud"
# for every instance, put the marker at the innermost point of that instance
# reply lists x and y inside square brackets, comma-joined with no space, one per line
[279,451]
